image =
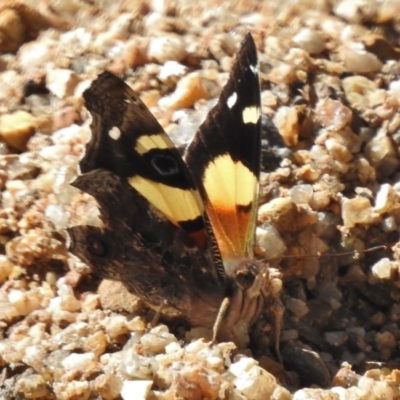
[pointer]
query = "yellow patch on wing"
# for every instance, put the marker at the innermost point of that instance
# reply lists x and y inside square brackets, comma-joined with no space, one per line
[251,115]
[176,204]
[146,143]
[232,191]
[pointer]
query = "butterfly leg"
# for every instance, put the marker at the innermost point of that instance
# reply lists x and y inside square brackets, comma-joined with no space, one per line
[278,310]
[156,318]
[218,321]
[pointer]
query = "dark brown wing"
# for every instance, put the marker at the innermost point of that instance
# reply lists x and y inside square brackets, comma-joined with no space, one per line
[128,141]
[138,246]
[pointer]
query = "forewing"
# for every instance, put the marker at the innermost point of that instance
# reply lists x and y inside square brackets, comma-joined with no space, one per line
[128,141]
[224,157]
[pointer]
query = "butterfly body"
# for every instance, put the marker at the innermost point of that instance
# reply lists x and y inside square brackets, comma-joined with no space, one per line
[178,232]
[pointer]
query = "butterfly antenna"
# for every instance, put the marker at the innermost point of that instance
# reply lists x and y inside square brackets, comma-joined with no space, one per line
[355,253]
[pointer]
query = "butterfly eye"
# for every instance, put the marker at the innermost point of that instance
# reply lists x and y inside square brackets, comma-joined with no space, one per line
[96,246]
[246,276]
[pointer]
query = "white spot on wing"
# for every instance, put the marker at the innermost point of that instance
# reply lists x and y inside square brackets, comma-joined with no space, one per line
[253,69]
[232,100]
[127,101]
[251,115]
[114,133]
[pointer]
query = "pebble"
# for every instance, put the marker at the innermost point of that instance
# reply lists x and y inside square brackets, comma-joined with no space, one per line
[309,40]
[386,343]
[385,199]
[311,394]
[33,387]
[166,48]
[307,364]
[358,90]
[62,82]
[72,390]
[75,361]
[116,326]
[157,340]
[20,22]
[108,386]
[189,90]
[96,343]
[296,306]
[115,297]
[286,120]
[357,211]
[63,118]
[269,244]
[333,114]
[251,380]
[136,390]
[336,339]
[17,128]
[383,269]
[35,55]
[361,62]
[23,301]
[171,71]
[135,52]
[76,41]
[301,194]
[285,215]
[349,10]
[282,74]
[68,301]
[381,153]
[338,151]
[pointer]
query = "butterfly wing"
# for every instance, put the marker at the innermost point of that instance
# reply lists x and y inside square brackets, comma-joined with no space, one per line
[139,246]
[129,142]
[224,158]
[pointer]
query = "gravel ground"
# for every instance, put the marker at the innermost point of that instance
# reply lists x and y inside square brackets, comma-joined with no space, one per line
[329,213]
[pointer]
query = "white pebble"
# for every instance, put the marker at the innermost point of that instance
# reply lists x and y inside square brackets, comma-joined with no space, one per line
[269,243]
[62,82]
[136,390]
[242,366]
[116,326]
[385,199]
[301,194]
[383,269]
[167,48]
[310,41]
[255,383]
[78,361]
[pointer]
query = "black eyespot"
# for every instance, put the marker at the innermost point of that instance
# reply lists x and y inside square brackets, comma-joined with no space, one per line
[96,246]
[165,165]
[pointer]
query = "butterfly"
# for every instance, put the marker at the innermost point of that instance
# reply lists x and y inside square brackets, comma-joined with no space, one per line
[179,231]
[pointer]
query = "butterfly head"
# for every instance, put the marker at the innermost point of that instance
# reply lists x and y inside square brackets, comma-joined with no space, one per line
[249,277]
